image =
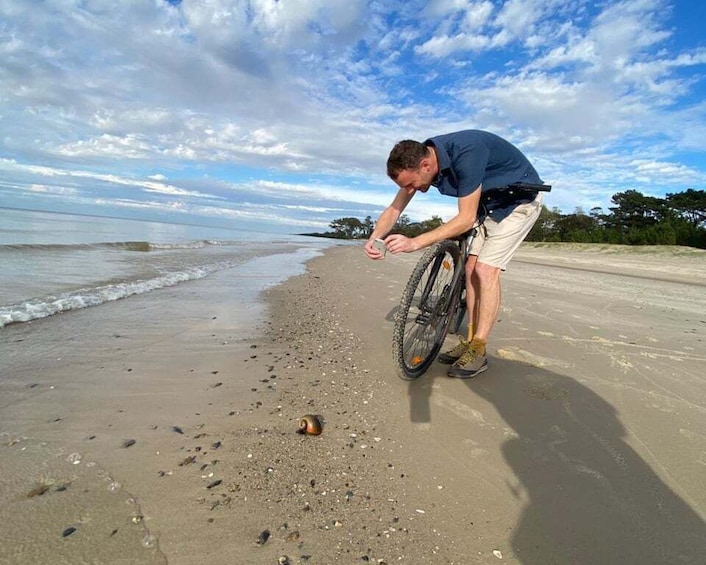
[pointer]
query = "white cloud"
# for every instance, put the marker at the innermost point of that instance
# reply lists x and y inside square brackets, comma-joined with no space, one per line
[483,28]
[440,46]
[47,189]
[477,15]
[238,31]
[125,147]
[442,8]
[518,16]
[153,184]
[302,99]
[650,171]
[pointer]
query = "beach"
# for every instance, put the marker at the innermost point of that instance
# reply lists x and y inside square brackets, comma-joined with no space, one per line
[143,432]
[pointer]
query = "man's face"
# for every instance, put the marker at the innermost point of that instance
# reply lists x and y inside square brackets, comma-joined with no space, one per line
[413,180]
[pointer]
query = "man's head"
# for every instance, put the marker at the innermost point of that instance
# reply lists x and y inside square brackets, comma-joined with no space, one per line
[412,165]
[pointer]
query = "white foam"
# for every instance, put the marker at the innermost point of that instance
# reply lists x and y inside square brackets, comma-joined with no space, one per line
[86,297]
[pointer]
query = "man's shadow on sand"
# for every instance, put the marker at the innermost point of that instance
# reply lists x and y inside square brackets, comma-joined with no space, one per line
[592,499]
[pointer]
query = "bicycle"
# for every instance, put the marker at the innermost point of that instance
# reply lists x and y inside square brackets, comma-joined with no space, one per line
[433,300]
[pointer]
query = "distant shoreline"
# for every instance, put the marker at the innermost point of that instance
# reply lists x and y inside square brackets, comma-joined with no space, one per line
[328,235]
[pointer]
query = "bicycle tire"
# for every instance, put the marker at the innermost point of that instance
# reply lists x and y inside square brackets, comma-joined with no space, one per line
[422,320]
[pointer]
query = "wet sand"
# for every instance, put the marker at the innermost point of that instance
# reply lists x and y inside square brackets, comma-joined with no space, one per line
[163,435]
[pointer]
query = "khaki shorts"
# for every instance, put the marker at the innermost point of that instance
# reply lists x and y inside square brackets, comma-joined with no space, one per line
[497,241]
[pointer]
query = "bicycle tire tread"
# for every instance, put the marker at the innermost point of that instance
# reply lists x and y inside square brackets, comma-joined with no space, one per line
[398,334]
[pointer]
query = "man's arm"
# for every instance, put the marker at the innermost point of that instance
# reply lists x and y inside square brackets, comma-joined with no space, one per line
[460,223]
[391,214]
[387,221]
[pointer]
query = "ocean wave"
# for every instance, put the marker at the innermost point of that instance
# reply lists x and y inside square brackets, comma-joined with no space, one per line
[83,298]
[142,246]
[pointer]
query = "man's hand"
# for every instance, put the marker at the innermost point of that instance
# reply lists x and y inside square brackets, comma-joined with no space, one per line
[398,243]
[371,251]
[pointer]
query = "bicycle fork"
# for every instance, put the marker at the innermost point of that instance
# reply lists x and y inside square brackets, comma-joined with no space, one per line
[430,310]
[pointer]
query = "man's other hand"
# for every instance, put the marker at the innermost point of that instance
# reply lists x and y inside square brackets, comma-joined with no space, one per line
[398,243]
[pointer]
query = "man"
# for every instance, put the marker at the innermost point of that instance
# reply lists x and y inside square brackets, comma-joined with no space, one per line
[465,165]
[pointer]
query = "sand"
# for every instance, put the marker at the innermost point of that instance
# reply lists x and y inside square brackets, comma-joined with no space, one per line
[153,434]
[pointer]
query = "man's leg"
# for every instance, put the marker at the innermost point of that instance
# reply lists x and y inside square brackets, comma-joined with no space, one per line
[483,292]
[483,303]
[472,293]
[452,355]
[488,303]
[492,250]
[483,306]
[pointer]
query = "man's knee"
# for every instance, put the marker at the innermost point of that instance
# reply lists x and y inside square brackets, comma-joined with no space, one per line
[486,273]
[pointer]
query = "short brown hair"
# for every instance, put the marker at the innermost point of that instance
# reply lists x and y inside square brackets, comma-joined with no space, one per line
[406,154]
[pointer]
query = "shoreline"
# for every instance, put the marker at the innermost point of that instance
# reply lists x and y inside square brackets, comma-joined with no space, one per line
[434,471]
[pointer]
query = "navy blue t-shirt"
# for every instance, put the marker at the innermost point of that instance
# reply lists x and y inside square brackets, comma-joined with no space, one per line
[471,158]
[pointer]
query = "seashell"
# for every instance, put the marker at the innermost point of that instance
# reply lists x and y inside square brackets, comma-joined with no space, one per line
[309,424]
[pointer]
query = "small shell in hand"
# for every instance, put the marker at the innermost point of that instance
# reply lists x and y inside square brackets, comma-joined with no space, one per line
[309,424]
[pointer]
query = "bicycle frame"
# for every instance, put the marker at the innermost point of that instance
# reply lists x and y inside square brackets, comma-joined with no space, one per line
[428,314]
[464,241]
[453,290]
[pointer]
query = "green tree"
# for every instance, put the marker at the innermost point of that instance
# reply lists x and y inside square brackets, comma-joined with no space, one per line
[403,221]
[544,228]
[576,227]
[348,228]
[368,226]
[599,217]
[690,205]
[413,229]
[635,210]
[432,223]
[634,213]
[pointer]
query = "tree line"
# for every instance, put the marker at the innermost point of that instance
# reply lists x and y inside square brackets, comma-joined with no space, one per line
[635,219]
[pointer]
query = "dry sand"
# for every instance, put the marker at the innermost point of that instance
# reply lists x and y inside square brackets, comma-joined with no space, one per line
[583,443]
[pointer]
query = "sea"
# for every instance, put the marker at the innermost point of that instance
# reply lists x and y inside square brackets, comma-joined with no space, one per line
[56,262]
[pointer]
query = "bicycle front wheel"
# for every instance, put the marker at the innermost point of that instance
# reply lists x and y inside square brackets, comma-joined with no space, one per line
[422,320]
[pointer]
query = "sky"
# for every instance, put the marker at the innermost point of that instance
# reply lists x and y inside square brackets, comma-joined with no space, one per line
[279,115]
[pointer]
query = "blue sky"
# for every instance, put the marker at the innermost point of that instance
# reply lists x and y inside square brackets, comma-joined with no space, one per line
[279,115]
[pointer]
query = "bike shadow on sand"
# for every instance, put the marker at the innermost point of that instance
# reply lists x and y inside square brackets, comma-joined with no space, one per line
[589,498]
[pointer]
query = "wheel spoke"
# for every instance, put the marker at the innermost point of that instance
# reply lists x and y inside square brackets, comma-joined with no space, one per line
[425,319]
